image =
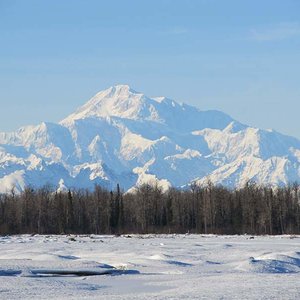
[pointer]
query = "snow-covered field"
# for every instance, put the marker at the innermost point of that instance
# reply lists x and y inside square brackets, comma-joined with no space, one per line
[157,267]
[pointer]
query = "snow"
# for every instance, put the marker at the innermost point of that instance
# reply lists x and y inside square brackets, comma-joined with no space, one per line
[61,186]
[113,137]
[150,267]
[13,181]
[119,101]
[133,145]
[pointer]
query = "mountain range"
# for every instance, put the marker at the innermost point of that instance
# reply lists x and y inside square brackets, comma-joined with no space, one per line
[123,136]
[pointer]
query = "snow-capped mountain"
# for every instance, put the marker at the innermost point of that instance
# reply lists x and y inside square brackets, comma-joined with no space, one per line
[122,136]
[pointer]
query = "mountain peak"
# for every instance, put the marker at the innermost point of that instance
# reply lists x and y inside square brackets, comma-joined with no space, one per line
[123,102]
[122,88]
[113,92]
[118,100]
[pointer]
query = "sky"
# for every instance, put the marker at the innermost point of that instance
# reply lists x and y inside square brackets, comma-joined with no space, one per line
[240,57]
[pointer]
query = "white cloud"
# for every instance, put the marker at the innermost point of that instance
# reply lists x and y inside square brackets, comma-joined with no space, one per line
[277,32]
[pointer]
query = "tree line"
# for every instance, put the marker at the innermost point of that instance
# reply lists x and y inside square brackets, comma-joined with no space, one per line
[206,209]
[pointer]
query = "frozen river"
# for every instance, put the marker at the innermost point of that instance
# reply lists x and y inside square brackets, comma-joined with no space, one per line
[150,267]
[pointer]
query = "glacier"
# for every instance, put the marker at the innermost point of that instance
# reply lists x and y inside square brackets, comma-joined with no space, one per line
[121,136]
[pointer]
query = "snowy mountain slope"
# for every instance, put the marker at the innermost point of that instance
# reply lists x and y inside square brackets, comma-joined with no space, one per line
[122,136]
[123,102]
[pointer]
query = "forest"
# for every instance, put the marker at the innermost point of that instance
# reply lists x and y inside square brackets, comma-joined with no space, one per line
[206,209]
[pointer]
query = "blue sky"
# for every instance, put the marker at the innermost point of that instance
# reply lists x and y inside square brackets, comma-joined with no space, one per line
[241,57]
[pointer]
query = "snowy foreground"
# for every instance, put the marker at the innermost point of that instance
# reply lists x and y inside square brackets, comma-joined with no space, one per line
[143,267]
